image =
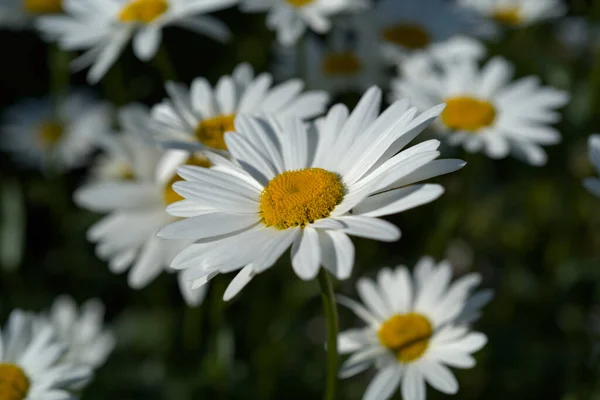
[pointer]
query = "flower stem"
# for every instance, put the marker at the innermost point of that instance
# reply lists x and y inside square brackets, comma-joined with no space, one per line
[164,65]
[330,311]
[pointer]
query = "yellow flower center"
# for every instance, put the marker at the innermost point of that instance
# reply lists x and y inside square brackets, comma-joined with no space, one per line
[299,3]
[508,16]
[298,198]
[49,133]
[143,11]
[14,384]
[171,196]
[126,173]
[407,35]
[342,63]
[468,114]
[407,335]
[211,132]
[43,6]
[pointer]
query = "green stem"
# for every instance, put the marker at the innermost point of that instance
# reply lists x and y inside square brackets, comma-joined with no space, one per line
[330,311]
[58,61]
[163,63]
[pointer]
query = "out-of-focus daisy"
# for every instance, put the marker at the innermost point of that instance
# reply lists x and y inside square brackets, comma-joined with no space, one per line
[486,111]
[31,363]
[308,187]
[20,13]
[415,329]
[40,134]
[402,27]
[290,18]
[201,115]
[577,34]
[103,28]
[117,158]
[593,184]
[135,204]
[82,330]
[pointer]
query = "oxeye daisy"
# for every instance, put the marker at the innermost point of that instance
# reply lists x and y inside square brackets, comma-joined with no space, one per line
[103,28]
[20,13]
[304,187]
[62,136]
[31,367]
[290,18]
[593,184]
[197,118]
[416,328]
[135,205]
[487,111]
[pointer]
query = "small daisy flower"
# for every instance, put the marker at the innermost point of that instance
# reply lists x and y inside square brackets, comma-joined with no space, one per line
[115,163]
[82,330]
[290,18]
[416,328]
[593,184]
[304,187]
[135,204]
[199,117]
[103,28]
[62,136]
[31,363]
[486,111]
[19,14]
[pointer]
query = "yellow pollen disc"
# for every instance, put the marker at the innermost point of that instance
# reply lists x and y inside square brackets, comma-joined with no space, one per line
[508,16]
[298,198]
[407,35]
[126,173]
[143,11]
[49,133]
[343,63]
[43,6]
[468,113]
[211,132]
[299,3]
[407,335]
[14,384]
[171,196]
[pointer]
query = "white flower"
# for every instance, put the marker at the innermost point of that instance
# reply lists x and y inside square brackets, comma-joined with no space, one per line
[135,204]
[63,136]
[307,187]
[202,114]
[416,328]
[31,364]
[104,27]
[593,184]
[290,18]
[82,330]
[19,14]
[486,111]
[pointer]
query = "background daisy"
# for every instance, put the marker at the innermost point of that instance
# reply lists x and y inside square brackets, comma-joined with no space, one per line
[21,13]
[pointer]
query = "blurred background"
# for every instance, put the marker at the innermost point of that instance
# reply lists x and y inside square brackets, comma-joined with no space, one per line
[533,233]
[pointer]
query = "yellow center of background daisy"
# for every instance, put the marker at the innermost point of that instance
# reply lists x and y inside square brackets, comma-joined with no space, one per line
[43,6]
[298,198]
[14,384]
[410,36]
[508,16]
[49,133]
[211,132]
[144,11]
[299,3]
[407,335]
[170,196]
[468,114]
[342,63]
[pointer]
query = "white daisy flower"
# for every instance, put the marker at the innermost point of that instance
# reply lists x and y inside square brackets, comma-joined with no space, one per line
[62,136]
[514,13]
[486,111]
[19,14]
[31,364]
[290,18]
[307,187]
[116,161]
[593,184]
[416,328]
[126,237]
[104,27]
[82,330]
[402,27]
[202,114]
